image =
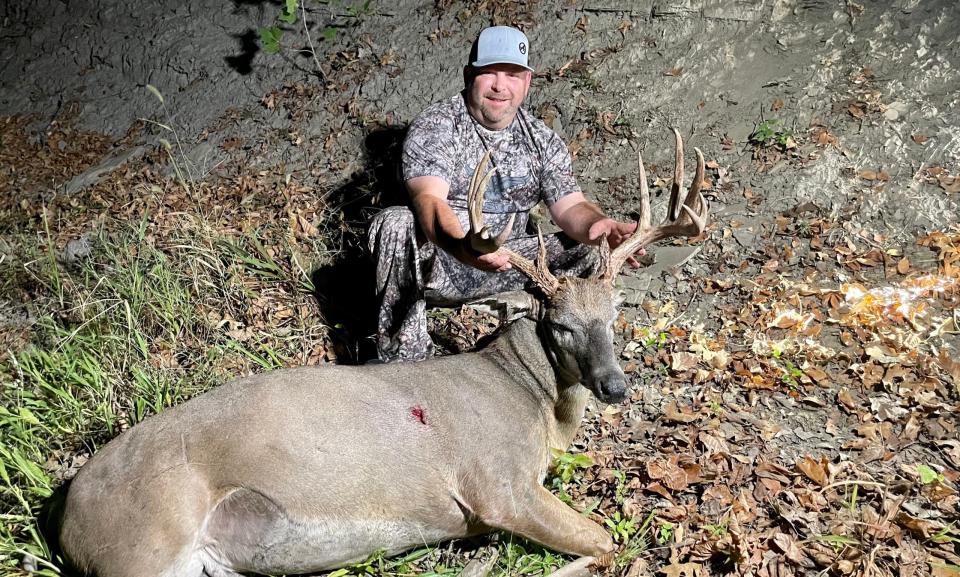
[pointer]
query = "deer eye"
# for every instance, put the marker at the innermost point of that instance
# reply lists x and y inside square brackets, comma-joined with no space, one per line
[562,328]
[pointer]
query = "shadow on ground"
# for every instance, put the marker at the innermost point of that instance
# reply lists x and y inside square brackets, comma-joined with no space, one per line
[346,289]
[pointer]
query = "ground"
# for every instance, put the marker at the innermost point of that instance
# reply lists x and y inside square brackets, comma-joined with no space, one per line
[180,206]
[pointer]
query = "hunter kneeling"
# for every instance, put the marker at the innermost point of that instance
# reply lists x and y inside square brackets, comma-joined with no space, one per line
[424,257]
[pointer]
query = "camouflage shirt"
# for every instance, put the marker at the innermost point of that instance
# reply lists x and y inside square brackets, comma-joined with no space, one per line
[532,162]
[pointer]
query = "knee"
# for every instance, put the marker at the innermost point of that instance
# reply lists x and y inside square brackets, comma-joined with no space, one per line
[392,218]
[390,229]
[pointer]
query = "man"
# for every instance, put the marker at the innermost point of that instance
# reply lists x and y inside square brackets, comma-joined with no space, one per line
[423,256]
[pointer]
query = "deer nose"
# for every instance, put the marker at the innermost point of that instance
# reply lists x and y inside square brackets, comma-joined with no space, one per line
[611,388]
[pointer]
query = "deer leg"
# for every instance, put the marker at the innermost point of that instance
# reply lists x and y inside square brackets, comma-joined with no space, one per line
[541,517]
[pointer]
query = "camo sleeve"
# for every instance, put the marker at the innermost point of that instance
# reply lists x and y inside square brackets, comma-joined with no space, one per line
[422,156]
[557,179]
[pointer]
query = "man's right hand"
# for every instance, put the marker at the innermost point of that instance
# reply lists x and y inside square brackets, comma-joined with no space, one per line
[441,227]
[491,262]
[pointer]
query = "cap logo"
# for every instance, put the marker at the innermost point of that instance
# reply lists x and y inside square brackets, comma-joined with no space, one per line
[523,48]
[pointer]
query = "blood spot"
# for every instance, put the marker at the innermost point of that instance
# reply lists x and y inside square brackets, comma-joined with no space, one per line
[419,414]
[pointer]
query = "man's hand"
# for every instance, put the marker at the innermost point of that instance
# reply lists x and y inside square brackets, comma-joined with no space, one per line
[491,262]
[583,221]
[617,233]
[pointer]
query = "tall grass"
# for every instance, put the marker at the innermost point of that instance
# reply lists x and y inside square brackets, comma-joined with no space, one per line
[124,335]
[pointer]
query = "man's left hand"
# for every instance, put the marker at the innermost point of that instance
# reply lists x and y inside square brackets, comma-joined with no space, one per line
[617,233]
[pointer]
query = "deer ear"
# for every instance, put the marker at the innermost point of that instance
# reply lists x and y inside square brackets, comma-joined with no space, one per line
[508,306]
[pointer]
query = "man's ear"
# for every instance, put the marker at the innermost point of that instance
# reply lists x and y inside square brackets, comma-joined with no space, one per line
[509,306]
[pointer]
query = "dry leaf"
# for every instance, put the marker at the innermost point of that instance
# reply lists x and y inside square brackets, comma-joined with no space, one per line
[682,361]
[950,183]
[683,570]
[673,72]
[582,23]
[671,413]
[815,471]
[776,105]
[785,544]
[919,138]
[903,267]
[714,445]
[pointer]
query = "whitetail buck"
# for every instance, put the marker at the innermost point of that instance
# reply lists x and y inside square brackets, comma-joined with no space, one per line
[313,468]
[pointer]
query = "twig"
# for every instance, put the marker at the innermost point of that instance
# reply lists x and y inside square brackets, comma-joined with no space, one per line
[842,483]
[578,568]
[313,50]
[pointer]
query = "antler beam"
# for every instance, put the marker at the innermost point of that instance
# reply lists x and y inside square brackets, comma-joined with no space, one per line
[483,240]
[687,219]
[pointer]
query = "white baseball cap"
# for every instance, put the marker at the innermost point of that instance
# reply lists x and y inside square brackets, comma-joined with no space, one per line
[500,45]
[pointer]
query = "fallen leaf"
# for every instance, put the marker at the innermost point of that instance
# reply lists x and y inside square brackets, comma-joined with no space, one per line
[582,23]
[950,183]
[776,105]
[683,570]
[814,470]
[786,545]
[671,413]
[714,445]
[919,138]
[920,527]
[683,361]
[673,72]
[903,267]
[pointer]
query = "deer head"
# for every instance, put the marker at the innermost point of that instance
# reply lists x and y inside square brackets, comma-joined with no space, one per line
[577,315]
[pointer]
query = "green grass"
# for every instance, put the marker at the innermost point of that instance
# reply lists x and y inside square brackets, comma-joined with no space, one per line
[121,337]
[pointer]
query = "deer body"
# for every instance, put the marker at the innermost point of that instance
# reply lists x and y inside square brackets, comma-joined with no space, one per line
[309,469]
[313,468]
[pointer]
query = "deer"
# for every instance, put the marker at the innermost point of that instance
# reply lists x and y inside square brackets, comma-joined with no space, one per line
[313,468]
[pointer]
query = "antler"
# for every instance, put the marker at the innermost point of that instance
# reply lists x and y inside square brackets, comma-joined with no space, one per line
[688,219]
[482,239]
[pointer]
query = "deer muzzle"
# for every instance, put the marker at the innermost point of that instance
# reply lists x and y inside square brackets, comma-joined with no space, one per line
[610,387]
[603,375]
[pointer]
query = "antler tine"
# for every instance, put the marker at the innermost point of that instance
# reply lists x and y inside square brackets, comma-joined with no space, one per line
[537,270]
[483,241]
[673,209]
[481,237]
[687,219]
[643,221]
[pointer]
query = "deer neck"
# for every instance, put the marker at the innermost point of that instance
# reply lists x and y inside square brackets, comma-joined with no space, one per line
[527,354]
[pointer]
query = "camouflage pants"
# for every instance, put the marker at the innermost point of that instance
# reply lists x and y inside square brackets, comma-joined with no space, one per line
[411,277]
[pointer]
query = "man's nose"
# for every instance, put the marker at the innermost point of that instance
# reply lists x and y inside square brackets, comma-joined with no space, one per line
[498,81]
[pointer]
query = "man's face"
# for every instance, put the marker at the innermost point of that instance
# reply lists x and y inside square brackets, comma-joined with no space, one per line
[496,92]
